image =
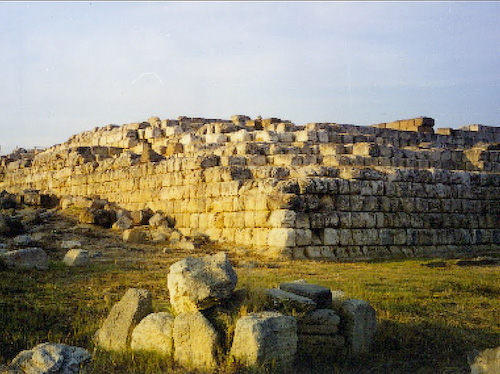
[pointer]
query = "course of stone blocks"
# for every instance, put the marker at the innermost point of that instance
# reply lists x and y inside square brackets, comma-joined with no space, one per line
[319,191]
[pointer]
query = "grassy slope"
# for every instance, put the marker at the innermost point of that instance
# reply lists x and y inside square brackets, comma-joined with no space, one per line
[430,318]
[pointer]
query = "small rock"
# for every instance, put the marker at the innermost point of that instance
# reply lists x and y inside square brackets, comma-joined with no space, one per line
[135,235]
[50,358]
[27,258]
[24,240]
[77,257]
[70,244]
[154,333]
[122,223]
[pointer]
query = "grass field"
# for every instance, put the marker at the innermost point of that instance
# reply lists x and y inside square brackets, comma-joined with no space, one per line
[429,317]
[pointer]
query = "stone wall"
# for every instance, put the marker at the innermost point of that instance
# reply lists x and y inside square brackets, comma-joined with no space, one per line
[321,191]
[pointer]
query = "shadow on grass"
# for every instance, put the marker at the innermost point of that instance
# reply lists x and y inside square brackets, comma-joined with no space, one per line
[424,348]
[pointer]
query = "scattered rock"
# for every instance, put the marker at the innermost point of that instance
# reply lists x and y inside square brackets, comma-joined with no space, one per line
[100,217]
[485,362]
[77,257]
[195,341]
[122,223]
[322,296]
[154,333]
[27,258]
[360,325]
[287,301]
[198,283]
[116,331]
[157,220]
[265,338]
[50,358]
[10,226]
[135,235]
[141,217]
[71,244]
[24,240]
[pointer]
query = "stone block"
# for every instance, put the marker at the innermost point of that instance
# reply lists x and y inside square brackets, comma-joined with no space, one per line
[198,283]
[265,338]
[322,296]
[26,258]
[77,257]
[282,237]
[115,333]
[359,321]
[154,334]
[195,341]
[288,301]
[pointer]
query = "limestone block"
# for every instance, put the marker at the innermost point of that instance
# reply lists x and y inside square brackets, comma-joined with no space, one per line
[330,236]
[282,218]
[198,283]
[241,136]
[115,333]
[154,333]
[282,237]
[265,338]
[303,237]
[134,235]
[322,296]
[215,138]
[359,323]
[195,341]
[77,257]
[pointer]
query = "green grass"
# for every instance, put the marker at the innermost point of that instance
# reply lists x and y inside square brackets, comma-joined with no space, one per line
[429,318]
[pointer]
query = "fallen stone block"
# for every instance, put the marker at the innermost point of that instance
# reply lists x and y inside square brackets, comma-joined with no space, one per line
[27,258]
[122,223]
[155,334]
[199,283]
[288,301]
[116,331]
[195,341]
[265,338]
[319,322]
[77,257]
[51,358]
[135,235]
[71,244]
[359,321]
[322,296]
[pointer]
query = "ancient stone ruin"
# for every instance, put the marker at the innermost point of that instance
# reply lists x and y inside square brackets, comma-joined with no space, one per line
[320,191]
[301,320]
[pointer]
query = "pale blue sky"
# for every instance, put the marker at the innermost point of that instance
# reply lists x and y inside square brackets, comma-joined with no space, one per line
[67,67]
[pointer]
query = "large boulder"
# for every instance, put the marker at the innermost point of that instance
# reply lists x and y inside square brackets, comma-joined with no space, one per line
[485,362]
[116,331]
[50,358]
[322,296]
[154,333]
[196,341]
[265,338]
[359,325]
[199,283]
[27,258]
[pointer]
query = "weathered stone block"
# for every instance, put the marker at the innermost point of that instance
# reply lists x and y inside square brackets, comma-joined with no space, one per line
[155,334]
[265,338]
